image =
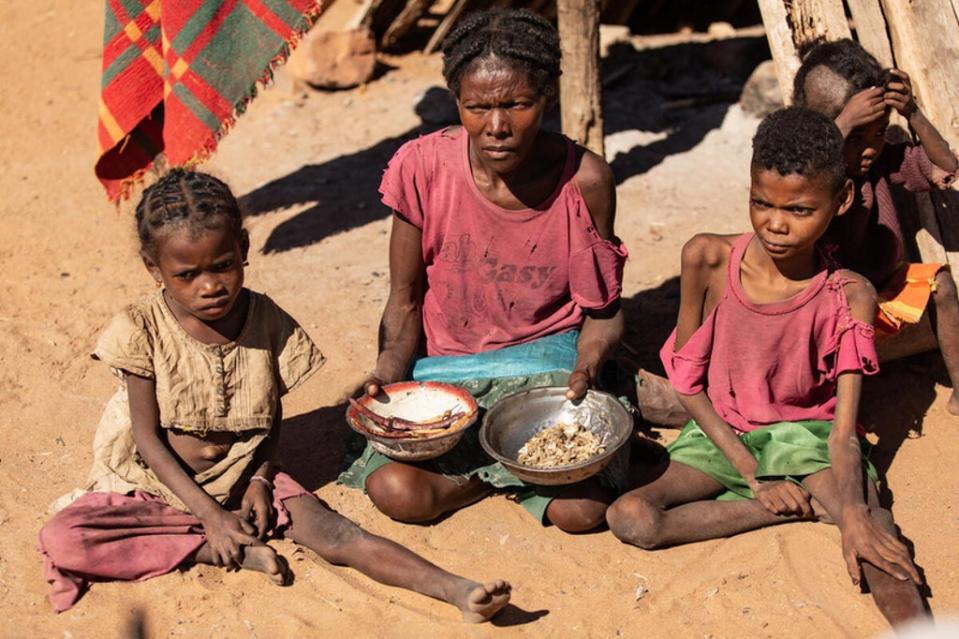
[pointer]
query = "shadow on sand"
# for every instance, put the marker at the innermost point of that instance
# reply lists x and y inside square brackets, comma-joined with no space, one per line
[681,92]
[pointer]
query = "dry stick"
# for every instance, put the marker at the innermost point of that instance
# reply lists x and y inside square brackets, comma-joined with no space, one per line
[447,25]
[412,11]
[580,93]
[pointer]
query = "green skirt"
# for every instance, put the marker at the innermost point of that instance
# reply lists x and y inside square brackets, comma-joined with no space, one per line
[468,459]
[787,450]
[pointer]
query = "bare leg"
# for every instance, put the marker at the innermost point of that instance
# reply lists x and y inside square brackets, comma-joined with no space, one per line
[415,495]
[341,542]
[581,507]
[947,331]
[898,601]
[260,557]
[677,508]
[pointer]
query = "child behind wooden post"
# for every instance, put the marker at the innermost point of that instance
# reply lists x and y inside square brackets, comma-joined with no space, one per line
[183,456]
[843,81]
[767,356]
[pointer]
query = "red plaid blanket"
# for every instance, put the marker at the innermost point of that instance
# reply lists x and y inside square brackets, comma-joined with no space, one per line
[176,73]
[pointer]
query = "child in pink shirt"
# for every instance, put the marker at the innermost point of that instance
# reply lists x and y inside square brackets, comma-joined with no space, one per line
[843,81]
[768,355]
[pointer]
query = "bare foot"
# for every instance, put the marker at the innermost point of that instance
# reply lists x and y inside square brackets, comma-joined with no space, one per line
[953,405]
[264,559]
[480,602]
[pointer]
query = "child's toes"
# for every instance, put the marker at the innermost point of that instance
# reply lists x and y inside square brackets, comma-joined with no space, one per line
[485,600]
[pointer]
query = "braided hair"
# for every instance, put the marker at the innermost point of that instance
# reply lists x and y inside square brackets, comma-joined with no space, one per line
[196,201]
[520,37]
[852,67]
[801,141]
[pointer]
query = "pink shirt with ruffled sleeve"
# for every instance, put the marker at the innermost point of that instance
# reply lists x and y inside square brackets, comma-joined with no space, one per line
[761,364]
[498,277]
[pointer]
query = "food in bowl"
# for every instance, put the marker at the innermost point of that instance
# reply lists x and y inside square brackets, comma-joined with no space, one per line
[561,444]
[395,427]
[413,421]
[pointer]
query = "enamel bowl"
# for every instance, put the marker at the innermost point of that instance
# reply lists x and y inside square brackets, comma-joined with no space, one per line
[513,420]
[416,402]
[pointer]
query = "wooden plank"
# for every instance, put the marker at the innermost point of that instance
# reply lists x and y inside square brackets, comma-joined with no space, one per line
[925,40]
[436,40]
[871,29]
[790,25]
[580,91]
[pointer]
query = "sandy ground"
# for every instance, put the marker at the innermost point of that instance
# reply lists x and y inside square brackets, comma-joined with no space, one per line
[309,164]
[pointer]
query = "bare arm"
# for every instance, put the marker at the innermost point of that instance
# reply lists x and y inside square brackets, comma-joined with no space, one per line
[603,328]
[862,538]
[703,270]
[226,533]
[702,283]
[401,327]
[898,94]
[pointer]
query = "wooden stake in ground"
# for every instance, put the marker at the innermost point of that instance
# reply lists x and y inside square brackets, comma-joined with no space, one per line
[580,92]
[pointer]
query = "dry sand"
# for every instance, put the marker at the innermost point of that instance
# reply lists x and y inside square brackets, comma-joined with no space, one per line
[69,262]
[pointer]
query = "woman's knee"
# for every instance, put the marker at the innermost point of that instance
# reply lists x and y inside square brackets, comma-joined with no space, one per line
[400,492]
[634,520]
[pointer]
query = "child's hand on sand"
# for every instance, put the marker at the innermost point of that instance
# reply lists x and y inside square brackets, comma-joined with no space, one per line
[898,93]
[226,535]
[783,498]
[862,108]
[257,504]
[864,540]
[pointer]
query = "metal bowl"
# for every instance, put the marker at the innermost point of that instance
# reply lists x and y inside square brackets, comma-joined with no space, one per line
[513,420]
[417,402]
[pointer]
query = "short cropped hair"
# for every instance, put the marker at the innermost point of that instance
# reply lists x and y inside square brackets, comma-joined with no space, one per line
[847,61]
[800,141]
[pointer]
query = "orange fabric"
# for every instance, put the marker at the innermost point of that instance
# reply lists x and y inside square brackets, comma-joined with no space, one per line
[904,301]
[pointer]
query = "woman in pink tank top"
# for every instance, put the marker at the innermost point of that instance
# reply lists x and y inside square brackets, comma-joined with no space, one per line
[768,356]
[505,272]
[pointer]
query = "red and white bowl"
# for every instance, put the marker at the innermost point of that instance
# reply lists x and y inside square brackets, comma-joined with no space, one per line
[415,402]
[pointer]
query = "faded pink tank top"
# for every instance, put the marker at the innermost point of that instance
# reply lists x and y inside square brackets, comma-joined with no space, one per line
[766,363]
[498,277]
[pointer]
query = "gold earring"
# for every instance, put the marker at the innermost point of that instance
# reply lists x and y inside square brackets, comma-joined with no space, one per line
[158,284]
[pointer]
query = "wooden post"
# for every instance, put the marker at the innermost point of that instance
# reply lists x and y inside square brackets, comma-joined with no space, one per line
[580,90]
[925,39]
[871,29]
[790,24]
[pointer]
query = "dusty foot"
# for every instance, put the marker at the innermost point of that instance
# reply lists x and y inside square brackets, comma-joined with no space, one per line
[481,601]
[953,405]
[264,559]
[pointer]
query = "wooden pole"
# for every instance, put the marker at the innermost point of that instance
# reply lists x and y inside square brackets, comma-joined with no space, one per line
[580,90]
[871,30]
[789,25]
[925,39]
